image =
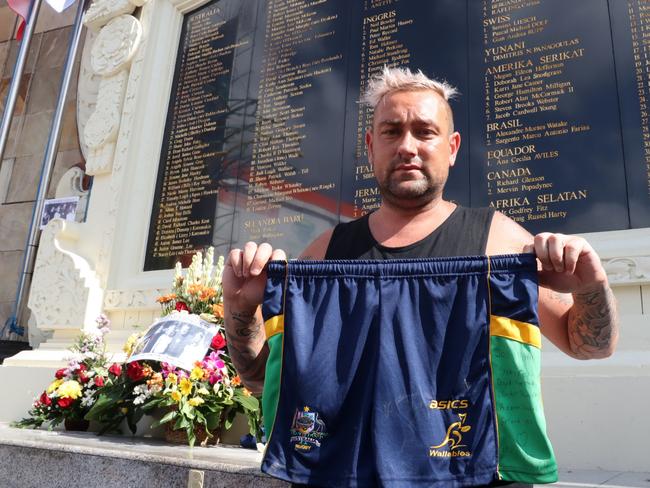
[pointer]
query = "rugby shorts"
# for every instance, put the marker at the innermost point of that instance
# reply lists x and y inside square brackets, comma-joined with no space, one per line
[405,373]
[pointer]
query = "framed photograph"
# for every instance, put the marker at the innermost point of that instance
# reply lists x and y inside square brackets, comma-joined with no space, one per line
[59,208]
[180,341]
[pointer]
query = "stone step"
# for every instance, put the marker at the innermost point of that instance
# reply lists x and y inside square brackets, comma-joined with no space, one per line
[37,458]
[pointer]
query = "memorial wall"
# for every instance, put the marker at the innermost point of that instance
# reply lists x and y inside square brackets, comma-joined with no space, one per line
[264,138]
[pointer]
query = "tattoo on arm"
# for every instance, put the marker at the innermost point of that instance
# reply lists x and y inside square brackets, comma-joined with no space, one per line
[593,326]
[247,325]
[246,347]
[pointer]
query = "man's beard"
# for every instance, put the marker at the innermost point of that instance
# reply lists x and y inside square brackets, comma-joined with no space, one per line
[411,192]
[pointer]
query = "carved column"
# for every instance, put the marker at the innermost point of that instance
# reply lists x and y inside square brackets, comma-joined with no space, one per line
[70,272]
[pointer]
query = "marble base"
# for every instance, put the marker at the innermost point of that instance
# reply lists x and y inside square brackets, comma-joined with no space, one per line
[83,459]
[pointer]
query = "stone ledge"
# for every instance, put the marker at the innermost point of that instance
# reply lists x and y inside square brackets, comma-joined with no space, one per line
[84,459]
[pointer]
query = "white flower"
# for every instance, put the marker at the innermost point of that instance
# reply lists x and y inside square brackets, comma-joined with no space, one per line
[88,398]
[143,392]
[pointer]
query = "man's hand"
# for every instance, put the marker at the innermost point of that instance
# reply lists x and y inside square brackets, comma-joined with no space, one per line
[244,279]
[570,265]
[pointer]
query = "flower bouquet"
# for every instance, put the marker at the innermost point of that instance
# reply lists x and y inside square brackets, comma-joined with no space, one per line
[197,387]
[72,393]
[118,400]
[206,398]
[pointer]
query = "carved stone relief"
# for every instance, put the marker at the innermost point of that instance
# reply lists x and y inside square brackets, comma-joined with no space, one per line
[628,270]
[102,11]
[132,299]
[111,55]
[87,89]
[100,132]
[65,292]
[115,45]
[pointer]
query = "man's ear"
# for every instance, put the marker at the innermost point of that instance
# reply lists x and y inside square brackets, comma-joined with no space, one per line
[454,146]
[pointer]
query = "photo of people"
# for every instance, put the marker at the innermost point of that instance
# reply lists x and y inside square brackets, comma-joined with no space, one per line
[174,341]
[59,208]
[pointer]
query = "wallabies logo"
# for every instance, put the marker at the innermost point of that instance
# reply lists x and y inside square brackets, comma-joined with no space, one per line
[452,445]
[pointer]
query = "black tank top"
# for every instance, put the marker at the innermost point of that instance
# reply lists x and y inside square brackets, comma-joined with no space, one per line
[464,233]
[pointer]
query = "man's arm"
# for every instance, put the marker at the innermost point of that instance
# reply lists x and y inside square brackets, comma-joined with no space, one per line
[577,308]
[244,279]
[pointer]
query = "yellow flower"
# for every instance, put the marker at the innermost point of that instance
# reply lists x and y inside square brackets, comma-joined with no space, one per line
[54,385]
[172,378]
[69,389]
[246,392]
[203,391]
[196,401]
[197,373]
[130,342]
[176,396]
[185,386]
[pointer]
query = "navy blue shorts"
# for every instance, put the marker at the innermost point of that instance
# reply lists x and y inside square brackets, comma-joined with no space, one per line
[404,373]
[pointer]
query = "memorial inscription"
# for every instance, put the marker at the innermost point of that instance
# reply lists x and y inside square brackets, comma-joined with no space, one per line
[553,114]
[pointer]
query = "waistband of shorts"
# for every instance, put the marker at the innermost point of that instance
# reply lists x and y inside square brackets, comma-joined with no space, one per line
[464,265]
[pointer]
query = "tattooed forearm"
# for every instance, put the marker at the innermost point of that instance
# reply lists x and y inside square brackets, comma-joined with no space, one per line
[246,325]
[246,346]
[593,326]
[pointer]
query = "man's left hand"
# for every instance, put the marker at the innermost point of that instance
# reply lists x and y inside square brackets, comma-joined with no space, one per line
[569,264]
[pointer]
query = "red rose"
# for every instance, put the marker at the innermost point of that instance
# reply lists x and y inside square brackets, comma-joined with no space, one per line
[134,371]
[83,377]
[218,342]
[99,381]
[65,402]
[45,400]
[115,369]
[83,367]
[180,306]
[60,373]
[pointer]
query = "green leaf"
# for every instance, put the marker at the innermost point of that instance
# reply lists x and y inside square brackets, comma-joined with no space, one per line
[188,411]
[183,423]
[214,419]
[166,418]
[248,402]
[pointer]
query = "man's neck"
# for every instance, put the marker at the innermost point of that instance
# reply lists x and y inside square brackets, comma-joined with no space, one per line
[396,227]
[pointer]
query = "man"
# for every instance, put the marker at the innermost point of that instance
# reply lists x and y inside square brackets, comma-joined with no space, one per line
[412,145]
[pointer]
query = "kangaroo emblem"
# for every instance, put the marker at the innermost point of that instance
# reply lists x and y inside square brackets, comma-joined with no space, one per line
[454,435]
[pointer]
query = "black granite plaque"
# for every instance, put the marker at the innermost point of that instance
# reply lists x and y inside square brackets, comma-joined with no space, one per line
[630,22]
[544,96]
[287,187]
[265,137]
[192,157]
[398,33]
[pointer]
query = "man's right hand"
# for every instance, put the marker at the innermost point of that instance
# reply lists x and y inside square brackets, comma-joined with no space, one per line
[243,281]
[244,275]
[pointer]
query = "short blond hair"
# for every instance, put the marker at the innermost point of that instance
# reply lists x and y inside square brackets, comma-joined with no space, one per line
[392,80]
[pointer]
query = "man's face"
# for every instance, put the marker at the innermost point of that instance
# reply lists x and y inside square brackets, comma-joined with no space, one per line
[411,147]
